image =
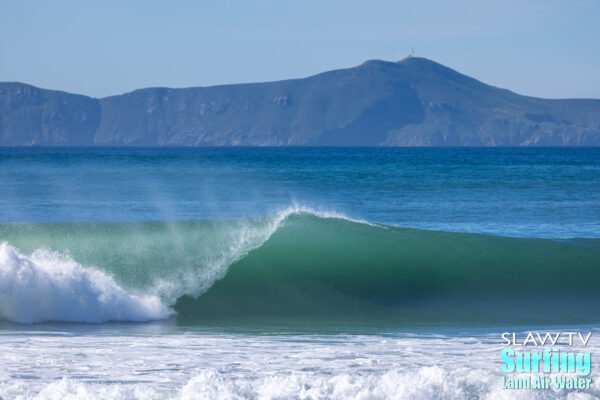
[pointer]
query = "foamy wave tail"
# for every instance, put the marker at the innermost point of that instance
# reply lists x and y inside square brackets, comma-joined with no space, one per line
[48,286]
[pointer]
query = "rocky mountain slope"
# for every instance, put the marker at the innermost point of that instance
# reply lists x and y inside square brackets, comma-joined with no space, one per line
[414,102]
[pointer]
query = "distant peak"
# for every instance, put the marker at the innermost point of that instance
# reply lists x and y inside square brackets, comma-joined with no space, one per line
[412,59]
[408,60]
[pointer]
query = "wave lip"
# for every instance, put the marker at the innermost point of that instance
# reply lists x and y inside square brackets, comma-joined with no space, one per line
[48,286]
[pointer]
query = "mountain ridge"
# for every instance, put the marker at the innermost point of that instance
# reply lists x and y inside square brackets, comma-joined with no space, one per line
[412,102]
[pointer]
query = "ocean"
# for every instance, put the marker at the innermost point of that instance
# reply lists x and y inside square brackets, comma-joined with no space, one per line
[291,273]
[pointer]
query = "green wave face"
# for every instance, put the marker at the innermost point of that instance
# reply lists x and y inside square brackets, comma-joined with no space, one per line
[301,267]
[337,270]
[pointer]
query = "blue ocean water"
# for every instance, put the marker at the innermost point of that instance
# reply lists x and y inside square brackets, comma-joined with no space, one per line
[528,192]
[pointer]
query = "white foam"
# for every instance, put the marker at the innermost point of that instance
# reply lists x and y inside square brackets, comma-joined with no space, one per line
[425,383]
[187,365]
[48,286]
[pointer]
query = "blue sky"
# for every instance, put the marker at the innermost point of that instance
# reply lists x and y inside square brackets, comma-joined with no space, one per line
[540,48]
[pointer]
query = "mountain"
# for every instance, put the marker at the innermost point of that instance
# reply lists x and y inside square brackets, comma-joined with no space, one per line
[414,102]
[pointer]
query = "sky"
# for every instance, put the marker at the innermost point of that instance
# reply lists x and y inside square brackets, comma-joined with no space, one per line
[543,48]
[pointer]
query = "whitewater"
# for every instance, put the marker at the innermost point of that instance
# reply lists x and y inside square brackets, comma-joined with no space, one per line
[157,362]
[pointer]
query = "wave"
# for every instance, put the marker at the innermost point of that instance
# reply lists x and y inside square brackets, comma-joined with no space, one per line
[299,265]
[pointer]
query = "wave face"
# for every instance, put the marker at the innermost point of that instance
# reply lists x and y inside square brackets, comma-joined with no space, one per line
[296,266]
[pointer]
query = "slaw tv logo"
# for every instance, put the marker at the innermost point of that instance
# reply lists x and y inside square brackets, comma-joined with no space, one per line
[535,360]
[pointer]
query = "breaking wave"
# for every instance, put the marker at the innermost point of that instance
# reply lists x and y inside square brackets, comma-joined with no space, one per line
[49,287]
[299,265]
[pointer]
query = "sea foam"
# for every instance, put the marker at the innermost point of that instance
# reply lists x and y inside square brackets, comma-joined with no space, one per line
[48,286]
[425,383]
